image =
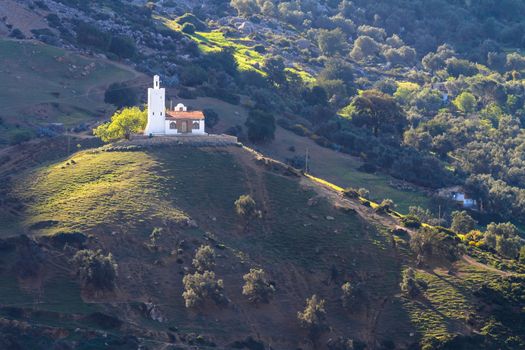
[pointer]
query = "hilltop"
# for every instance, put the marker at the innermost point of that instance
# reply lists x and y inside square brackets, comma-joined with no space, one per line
[308,238]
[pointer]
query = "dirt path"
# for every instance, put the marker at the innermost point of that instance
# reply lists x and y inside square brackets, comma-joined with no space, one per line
[473,262]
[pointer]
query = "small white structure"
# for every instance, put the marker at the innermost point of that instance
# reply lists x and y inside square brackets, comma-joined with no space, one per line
[458,194]
[162,121]
[462,198]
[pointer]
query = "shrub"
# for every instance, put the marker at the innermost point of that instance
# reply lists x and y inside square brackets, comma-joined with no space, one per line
[261,126]
[314,314]
[245,206]
[408,283]
[19,137]
[348,297]
[188,28]
[95,269]
[257,287]
[123,47]
[429,243]
[17,34]
[212,118]
[199,287]
[189,18]
[411,221]
[120,95]
[462,222]
[385,206]
[351,193]
[204,258]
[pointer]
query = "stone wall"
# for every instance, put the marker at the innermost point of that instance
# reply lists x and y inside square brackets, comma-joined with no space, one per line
[183,140]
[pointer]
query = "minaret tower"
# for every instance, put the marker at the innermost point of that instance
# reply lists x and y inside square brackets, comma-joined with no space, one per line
[156,109]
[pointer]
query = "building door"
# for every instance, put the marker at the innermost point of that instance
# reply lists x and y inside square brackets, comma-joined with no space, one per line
[184,127]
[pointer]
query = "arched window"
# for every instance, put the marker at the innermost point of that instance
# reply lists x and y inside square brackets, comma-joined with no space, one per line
[173,125]
[195,125]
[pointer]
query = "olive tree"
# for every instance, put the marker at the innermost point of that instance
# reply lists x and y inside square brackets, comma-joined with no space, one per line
[96,270]
[257,287]
[314,315]
[199,287]
[204,258]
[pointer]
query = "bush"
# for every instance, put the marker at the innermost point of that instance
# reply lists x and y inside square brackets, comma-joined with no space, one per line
[348,297]
[257,287]
[314,314]
[386,206]
[19,137]
[261,126]
[204,258]
[408,283]
[212,118]
[245,206]
[96,270]
[411,221]
[17,34]
[188,28]
[123,47]
[189,18]
[120,95]
[351,193]
[429,243]
[462,222]
[199,287]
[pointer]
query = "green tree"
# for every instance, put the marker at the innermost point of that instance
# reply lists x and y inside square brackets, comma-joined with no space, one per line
[508,246]
[199,287]
[377,111]
[331,42]
[274,67]
[428,243]
[314,315]
[364,48]
[188,28]
[261,126]
[409,284]
[204,258]
[122,125]
[348,298]
[465,102]
[123,47]
[120,95]
[95,269]
[245,7]
[245,206]
[257,287]
[462,222]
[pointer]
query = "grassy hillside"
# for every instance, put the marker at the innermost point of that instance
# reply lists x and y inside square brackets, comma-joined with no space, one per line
[337,167]
[42,84]
[306,244]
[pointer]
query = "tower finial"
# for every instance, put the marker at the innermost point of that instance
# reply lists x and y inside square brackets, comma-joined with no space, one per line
[156,82]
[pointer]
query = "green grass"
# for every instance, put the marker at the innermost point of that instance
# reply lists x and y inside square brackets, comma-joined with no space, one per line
[247,58]
[42,84]
[447,303]
[113,190]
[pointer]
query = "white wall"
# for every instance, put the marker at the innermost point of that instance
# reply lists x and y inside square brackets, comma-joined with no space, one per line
[156,109]
[168,130]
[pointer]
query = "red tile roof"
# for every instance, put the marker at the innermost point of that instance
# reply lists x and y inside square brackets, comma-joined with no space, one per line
[194,115]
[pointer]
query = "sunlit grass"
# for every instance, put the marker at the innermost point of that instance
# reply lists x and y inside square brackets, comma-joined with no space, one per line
[91,190]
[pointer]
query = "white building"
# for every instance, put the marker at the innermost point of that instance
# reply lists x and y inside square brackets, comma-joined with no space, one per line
[162,121]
